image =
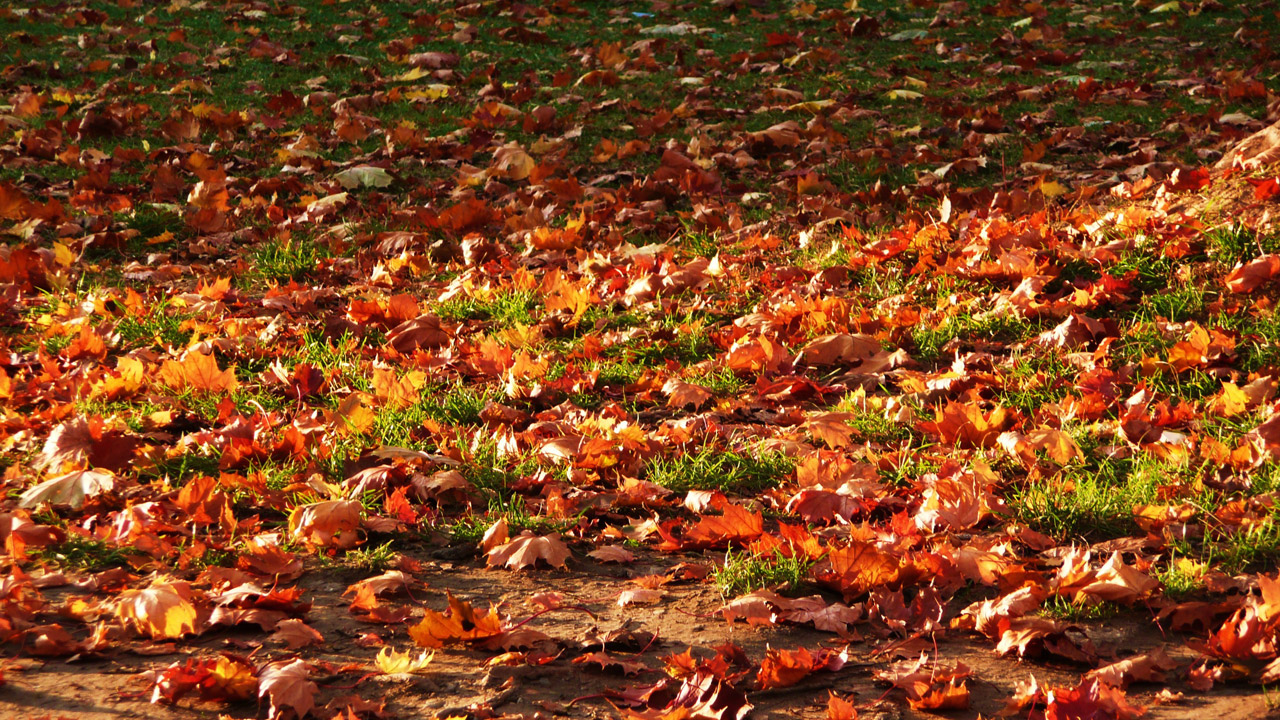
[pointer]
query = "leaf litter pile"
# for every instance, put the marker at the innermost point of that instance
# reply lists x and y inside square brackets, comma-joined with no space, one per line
[642,360]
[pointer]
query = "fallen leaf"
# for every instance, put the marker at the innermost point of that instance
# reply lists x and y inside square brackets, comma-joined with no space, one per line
[162,611]
[390,662]
[287,686]
[296,634]
[527,549]
[461,624]
[199,372]
[363,176]
[71,489]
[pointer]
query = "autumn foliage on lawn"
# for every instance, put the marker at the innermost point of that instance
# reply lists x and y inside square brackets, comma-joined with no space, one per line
[885,333]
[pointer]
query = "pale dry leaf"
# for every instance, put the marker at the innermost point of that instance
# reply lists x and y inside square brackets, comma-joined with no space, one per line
[332,523]
[612,554]
[287,686]
[363,176]
[296,634]
[70,489]
[527,549]
[639,596]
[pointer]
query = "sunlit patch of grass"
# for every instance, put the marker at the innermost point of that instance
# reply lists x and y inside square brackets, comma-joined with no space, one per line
[1250,547]
[1177,304]
[721,382]
[1092,501]
[872,423]
[342,357]
[1061,608]
[912,465]
[504,505]
[160,328]
[284,260]
[929,341]
[1151,272]
[711,469]
[1035,379]
[183,467]
[1178,578]
[1259,343]
[372,558]
[617,374]
[743,572]
[701,244]
[504,309]
[489,470]
[84,553]
[687,344]
[1236,243]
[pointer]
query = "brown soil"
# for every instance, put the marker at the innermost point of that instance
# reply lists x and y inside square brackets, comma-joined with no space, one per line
[458,681]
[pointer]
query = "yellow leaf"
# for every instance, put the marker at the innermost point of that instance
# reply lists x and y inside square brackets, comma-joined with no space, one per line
[63,255]
[357,416]
[1052,188]
[397,392]
[163,611]
[434,91]
[812,106]
[414,74]
[903,95]
[1231,402]
[391,662]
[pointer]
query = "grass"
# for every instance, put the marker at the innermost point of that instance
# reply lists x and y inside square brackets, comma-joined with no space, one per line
[1092,502]
[85,554]
[743,572]
[930,341]
[160,328]
[372,558]
[276,261]
[1254,546]
[503,309]
[1180,578]
[1035,379]
[180,468]
[711,469]
[722,382]
[1058,607]
[508,506]
[1234,243]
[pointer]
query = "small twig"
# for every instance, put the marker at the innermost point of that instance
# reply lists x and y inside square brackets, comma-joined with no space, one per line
[703,616]
[585,697]
[355,684]
[652,640]
[558,607]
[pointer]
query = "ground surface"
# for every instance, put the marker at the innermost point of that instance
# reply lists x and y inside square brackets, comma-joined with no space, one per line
[642,360]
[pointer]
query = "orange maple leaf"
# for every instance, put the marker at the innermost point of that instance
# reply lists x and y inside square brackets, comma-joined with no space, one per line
[736,524]
[965,425]
[784,668]
[399,393]
[460,624]
[856,568]
[199,372]
[1250,276]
